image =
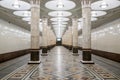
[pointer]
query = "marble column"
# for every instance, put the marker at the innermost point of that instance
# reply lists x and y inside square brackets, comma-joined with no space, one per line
[35,33]
[70,36]
[75,36]
[44,37]
[48,36]
[86,31]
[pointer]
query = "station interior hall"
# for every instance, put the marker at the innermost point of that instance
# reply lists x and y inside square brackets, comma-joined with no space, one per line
[59,39]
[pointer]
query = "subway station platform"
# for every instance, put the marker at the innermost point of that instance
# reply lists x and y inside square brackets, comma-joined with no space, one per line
[60,64]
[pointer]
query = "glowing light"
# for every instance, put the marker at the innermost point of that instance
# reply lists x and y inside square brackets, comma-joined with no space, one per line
[104,5]
[16,4]
[26,13]
[94,13]
[60,4]
[60,14]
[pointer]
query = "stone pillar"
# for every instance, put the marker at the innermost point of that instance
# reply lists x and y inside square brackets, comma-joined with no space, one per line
[75,36]
[86,31]
[70,35]
[35,33]
[49,38]
[44,37]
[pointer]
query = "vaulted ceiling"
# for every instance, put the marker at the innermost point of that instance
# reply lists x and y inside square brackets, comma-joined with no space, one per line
[7,14]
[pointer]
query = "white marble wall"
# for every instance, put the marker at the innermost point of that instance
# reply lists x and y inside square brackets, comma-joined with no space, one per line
[67,37]
[13,38]
[106,37]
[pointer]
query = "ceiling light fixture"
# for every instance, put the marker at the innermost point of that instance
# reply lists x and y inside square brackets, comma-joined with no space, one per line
[22,13]
[59,19]
[104,5]
[26,13]
[16,4]
[94,13]
[98,13]
[60,14]
[60,4]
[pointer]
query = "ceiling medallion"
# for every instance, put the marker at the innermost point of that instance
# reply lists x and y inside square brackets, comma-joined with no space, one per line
[15,4]
[92,19]
[22,13]
[98,13]
[59,13]
[26,19]
[60,5]
[59,22]
[59,19]
[105,4]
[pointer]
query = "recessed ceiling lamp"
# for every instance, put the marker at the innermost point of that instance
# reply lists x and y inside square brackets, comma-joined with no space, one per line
[59,19]
[59,13]
[105,4]
[59,22]
[26,19]
[22,13]
[29,19]
[60,5]
[15,4]
[98,13]
[59,25]
[92,19]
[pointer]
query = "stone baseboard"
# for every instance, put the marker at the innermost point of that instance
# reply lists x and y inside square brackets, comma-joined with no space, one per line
[34,62]
[108,55]
[44,50]
[87,62]
[11,55]
[75,49]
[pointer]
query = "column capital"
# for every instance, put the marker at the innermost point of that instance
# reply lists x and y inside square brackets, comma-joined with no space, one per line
[35,3]
[86,3]
[74,19]
[45,20]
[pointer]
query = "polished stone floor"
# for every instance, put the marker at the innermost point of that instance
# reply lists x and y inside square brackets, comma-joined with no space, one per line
[60,64]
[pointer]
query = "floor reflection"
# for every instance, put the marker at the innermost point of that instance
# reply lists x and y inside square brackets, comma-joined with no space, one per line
[60,64]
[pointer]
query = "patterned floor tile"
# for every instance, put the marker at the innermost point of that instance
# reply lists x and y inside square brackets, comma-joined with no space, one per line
[60,64]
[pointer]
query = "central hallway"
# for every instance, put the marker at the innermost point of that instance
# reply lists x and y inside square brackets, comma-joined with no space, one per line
[60,64]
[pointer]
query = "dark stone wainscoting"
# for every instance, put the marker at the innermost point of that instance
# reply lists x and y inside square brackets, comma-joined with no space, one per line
[10,55]
[105,54]
[68,46]
[108,55]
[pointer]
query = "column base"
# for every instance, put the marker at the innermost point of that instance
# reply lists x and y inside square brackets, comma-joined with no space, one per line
[34,57]
[44,54]
[70,47]
[44,50]
[75,51]
[48,48]
[87,62]
[34,62]
[86,54]
[75,54]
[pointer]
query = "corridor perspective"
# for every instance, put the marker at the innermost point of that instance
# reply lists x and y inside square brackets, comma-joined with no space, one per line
[59,39]
[60,65]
